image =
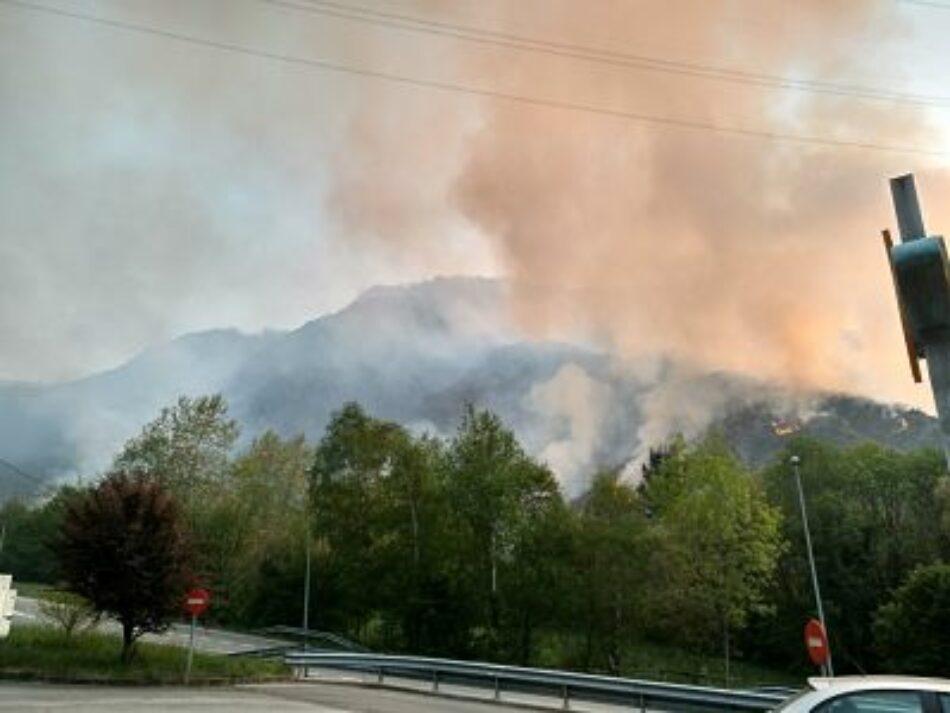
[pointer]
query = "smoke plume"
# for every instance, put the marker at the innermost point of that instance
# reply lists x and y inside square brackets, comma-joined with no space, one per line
[728,252]
[720,251]
[573,405]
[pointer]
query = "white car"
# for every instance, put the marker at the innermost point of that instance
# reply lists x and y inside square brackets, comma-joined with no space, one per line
[871,694]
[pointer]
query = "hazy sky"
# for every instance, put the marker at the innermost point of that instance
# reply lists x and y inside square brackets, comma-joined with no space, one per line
[150,186]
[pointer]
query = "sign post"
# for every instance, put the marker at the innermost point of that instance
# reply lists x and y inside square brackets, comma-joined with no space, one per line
[7,601]
[826,664]
[816,643]
[196,603]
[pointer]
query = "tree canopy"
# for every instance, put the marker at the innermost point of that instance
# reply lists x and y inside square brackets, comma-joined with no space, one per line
[463,545]
[122,547]
[911,629]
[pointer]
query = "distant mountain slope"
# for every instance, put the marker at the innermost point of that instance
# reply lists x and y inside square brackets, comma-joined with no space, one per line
[58,430]
[416,354]
[758,433]
[391,350]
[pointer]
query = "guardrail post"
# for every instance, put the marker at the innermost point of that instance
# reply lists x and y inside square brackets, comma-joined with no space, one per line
[497,689]
[567,698]
[435,681]
[643,704]
[379,675]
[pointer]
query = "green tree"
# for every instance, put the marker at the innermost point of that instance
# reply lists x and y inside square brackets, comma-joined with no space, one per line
[68,610]
[910,630]
[27,532]
[535,561]
[942,502]
[355,456]
[613,561]
[383,538]
[872,514]
[186,448]
[490,483]
[481,462]
[122,547]
[414,531]
[717,541]
[260,518]
[187,451]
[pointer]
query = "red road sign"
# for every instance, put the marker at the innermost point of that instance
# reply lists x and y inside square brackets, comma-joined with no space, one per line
[816,641]
[197,601]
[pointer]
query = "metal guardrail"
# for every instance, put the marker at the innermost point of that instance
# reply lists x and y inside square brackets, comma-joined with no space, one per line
[562,684]
[277,651]
[322,639]
[309,641]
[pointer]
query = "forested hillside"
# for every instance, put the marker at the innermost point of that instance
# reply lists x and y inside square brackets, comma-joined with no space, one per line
[466,545]
[414,355]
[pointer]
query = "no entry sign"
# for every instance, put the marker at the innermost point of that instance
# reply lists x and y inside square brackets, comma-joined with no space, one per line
[196,601]
[816,642]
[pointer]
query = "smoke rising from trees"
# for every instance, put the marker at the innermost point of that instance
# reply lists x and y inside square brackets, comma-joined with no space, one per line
[723,252]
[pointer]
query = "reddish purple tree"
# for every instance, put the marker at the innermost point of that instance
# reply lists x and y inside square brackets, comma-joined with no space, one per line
[122,545]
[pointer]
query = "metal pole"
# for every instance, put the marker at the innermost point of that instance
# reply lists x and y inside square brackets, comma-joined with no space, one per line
[191,649]
[811,557]
[938,369]
[936,342]
[306,597]
[910,221]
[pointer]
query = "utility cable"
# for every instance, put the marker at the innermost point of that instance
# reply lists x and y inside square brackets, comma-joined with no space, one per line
[586,53]
[645,118]
[20,472]
[927,3]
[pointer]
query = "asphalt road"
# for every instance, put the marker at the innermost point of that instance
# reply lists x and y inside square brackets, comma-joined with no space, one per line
[326,691]
[450,693]
[218,641]
[270,698]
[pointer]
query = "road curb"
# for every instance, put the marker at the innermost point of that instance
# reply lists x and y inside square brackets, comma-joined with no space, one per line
[31,676]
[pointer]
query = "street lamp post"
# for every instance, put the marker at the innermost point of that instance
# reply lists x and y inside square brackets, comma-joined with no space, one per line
[796,461]
[306,594]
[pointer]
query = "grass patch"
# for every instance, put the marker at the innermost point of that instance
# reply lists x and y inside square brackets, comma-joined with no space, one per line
[33,590]
[656,662]
[45,652]
[675,664]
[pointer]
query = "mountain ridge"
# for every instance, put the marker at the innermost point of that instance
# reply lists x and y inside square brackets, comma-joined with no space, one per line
[415,354]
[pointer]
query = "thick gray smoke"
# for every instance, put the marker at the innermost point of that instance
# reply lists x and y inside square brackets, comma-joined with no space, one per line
[151,187]
[720,252]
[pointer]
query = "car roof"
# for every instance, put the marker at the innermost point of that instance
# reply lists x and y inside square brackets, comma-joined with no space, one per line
[848,683]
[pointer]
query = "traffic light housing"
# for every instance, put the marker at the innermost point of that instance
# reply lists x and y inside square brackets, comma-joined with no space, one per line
[924,285]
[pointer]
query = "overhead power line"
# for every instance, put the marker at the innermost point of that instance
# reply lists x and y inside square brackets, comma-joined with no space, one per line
[927,3]
[20,472]
[446,86]
[586,53]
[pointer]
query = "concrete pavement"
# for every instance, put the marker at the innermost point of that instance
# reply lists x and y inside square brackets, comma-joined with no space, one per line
[482,696]
[269,698]
[114,699]
[262,698]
